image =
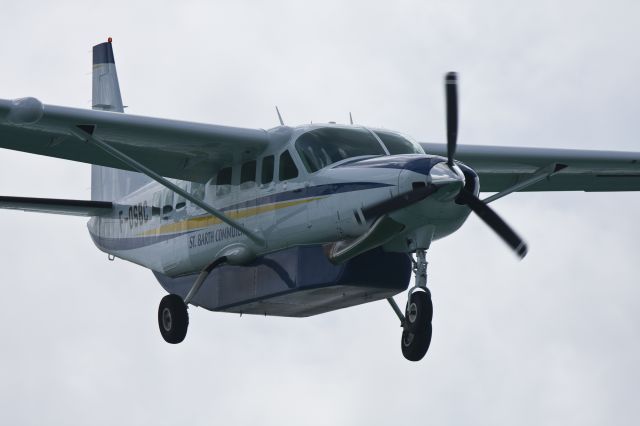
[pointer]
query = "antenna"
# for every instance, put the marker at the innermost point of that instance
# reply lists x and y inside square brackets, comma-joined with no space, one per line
[350,118]
[279,116]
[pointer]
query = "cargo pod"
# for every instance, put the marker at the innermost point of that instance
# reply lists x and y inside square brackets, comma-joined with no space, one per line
[298,282]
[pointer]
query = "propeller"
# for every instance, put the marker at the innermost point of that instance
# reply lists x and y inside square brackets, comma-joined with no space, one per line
[467,197]
[451,97]
[494,221]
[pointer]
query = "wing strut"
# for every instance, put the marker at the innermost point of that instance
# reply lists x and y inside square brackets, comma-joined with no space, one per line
[84,132]
[540,174]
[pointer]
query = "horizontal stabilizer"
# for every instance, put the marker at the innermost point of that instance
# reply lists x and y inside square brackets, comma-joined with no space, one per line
[57,206]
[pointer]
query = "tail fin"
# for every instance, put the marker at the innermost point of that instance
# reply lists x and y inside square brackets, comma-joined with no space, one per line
[109,184]
[106,90]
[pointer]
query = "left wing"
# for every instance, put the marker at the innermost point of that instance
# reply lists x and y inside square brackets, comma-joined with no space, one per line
[176,149]
[57,206]
[501,168]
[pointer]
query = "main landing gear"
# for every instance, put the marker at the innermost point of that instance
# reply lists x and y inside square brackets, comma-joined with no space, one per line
[416,321]
[173,318]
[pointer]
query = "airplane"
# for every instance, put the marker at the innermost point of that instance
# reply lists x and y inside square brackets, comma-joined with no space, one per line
[289,221]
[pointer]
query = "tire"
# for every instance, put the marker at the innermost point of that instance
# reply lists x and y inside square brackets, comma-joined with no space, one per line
[415,345]
[173,318]
[419,312]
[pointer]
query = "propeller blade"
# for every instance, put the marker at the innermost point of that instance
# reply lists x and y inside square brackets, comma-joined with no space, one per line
[451,95]
[496,223]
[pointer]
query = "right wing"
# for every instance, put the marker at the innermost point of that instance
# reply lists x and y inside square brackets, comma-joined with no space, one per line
[501,167]
[57,206]
[176,149]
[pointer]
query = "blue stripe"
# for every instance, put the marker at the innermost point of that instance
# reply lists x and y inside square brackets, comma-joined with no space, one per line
[415,162]
[130,243]
[312,191]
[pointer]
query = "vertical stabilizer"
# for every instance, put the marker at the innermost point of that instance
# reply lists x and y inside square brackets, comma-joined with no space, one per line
[109,184]
[106,90]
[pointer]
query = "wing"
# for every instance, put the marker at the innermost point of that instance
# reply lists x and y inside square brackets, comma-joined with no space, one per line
[57,206]
[177,149]
[501,168]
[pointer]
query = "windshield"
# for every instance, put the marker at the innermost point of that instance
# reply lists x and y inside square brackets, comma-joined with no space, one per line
[397,144]
[321,147]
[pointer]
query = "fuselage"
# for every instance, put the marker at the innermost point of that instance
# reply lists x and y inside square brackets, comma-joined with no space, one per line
[295,193]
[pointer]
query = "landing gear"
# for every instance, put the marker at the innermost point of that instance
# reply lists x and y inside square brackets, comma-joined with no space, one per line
[417,330]
[173,318]
[416,321]
[419,312]
[416,345]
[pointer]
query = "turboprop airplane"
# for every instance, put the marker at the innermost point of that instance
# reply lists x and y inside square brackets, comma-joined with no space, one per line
[290,221]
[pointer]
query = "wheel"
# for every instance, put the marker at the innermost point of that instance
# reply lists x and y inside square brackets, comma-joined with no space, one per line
[419,312]
[416,345]
[173,318]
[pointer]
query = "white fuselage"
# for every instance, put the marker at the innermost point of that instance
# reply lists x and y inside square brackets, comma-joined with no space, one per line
[160,230]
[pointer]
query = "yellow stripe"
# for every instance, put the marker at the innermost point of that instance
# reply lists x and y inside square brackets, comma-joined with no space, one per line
[207,221]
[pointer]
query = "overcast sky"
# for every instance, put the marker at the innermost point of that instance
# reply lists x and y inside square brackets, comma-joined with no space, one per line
[549,340]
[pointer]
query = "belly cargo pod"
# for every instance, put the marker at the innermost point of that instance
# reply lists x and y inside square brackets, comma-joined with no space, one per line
[297,282]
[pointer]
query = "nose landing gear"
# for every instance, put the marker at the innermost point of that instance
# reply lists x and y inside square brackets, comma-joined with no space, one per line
[416,321]
[416,333]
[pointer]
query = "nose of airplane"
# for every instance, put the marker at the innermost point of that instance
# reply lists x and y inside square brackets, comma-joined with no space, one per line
[441,173]
[449,180]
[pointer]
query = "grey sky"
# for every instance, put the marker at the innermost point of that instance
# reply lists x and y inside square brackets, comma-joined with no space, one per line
[550,340]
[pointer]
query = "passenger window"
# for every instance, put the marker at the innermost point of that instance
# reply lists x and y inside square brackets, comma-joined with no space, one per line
[288,169]
[167,204]
[155,206]
[267,169]
[197,190]
[223,182]
[181,203]
[248,174]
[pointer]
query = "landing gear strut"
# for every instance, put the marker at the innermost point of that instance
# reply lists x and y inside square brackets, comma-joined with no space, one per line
[173,318]
[416,321]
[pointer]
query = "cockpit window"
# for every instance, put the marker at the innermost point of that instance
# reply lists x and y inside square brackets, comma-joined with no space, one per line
[321,147]
[397,144]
